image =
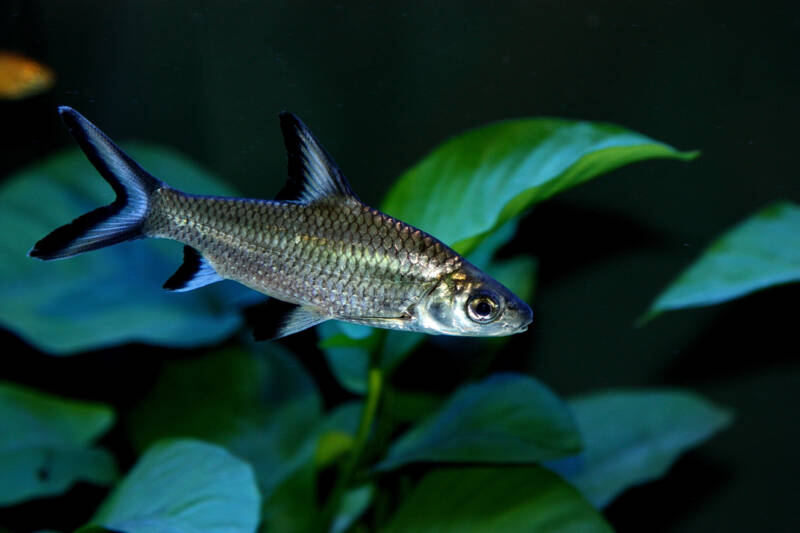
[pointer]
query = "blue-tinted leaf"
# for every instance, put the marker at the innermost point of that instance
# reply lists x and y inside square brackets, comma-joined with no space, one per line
[45,444]
[109,296]
[762,251]
[478,180]
[184,486]
[635,436]
[259,403]
[354,503]
[507,418]
[347,348]
[480,500]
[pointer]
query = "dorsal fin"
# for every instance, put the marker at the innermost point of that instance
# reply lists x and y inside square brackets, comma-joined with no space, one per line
[313,175]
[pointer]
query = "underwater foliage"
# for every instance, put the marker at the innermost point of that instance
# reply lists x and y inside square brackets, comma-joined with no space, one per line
[109,297]
[181,485]
[238,438]
[46,444]
[761,252]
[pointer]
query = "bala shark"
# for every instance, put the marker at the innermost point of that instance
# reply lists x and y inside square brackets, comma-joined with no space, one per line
[316,250]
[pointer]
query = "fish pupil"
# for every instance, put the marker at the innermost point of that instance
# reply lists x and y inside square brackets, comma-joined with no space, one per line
[483,308]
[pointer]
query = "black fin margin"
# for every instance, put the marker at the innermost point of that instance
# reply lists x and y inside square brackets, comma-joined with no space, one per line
[275,318]
[105,155]
[56,244]
[122,220]
[313,174]
[194,272]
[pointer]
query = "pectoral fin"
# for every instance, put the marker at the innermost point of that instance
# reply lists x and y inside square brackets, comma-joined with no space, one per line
[275,319]
[195,272]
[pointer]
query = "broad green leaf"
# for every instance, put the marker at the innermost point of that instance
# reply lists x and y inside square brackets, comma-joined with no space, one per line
[46,444]
[109,296]
[507,418]
[760,252]
[347,348]
[183,486]
[484,253]
[479,500]
[632,437]
[478,180]
[258,403]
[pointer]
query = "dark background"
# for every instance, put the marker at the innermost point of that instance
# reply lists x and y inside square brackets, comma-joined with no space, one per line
[381,84]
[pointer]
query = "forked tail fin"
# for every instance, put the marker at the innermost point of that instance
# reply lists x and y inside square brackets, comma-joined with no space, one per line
[122,220]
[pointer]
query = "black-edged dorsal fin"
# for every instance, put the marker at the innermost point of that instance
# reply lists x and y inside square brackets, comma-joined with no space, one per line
[313,175]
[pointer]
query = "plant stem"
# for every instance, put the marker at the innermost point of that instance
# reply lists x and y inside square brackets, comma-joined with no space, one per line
[374,389]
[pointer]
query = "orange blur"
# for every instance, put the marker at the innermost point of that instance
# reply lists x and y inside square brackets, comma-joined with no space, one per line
[21,76]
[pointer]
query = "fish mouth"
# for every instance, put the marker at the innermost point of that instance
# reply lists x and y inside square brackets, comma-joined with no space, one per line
[528,319]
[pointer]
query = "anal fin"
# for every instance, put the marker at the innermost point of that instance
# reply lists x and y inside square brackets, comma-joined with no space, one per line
[195,272]
[275,319]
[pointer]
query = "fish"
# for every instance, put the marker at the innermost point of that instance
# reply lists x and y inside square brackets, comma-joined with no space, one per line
[316,249]
[21,77]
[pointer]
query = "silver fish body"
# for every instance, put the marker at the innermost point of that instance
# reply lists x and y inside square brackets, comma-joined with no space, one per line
[318,248]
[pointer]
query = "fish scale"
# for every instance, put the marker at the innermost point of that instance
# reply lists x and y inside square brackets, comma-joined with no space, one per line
[317,250]
[344,258]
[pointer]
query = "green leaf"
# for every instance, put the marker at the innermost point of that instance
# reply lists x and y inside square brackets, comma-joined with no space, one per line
[183,486]
[479,500]
[287,508]
[347,348]
[45,444]
[632,437]
[354,503]
[337,433]
[760,252]
[478,180]
[517,273]
[507,418]
[403,406]
[292,506]
[258,403]
[109,296]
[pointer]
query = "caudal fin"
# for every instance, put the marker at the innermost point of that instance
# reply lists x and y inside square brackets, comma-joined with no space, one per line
[119,221]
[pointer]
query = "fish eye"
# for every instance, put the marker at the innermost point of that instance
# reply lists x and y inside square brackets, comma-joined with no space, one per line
[482,309]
